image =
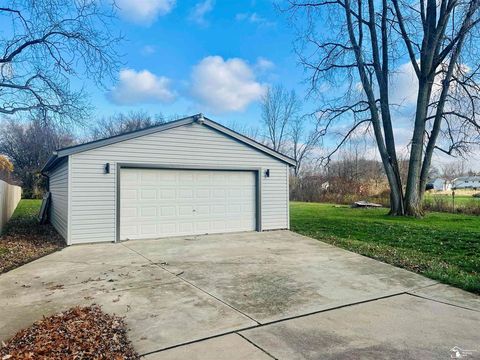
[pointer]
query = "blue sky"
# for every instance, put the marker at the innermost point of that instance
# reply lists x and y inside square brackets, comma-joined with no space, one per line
[218,57]
[185,57]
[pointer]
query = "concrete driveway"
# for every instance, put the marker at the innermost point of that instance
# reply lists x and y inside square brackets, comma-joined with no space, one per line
[248,296]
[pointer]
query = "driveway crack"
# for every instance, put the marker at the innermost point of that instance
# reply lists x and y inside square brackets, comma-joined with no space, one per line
[178,275]
[441,301]
[262,325]
[258,347]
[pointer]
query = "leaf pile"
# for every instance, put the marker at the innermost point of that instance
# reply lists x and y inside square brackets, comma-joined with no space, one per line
[24,240]
[79,333]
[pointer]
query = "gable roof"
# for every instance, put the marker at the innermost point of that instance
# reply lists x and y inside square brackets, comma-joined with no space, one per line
[59,154]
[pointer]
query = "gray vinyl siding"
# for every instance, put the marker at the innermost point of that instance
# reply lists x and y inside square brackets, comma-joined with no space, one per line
[93,193]
[58,179]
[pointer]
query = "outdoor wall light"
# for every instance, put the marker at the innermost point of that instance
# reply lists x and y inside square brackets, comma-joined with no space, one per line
[267,173]
[106,169]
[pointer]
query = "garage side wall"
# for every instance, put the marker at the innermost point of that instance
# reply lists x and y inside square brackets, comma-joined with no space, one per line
[93,193]
[58,184]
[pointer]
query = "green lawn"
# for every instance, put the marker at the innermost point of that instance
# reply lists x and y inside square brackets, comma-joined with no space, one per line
[24,216]
[27,207]
[442,246]
[460,200]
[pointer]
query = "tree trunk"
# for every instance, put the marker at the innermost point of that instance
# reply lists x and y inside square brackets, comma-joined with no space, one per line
[413,198]
[396,201]
[396,192]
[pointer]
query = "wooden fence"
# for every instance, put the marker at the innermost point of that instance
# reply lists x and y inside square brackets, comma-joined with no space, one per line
[9,197]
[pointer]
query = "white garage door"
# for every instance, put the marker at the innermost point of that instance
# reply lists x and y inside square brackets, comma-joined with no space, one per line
[157,203]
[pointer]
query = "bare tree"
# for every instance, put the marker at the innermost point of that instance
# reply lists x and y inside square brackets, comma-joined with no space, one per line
[28,146]
[303,141]
[434,173]
[43,45]
[364,43]
[279,109]
[453,170]
[253,132]
[122,123]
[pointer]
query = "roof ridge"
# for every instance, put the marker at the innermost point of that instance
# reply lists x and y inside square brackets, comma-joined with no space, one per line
[61,153]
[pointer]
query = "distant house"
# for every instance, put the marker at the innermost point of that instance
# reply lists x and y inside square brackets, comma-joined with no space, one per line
[439,185]
[467,182]
[324,186]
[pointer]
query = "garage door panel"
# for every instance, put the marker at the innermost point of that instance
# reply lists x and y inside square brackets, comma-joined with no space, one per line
[130,211]
[148,178]
[129,230]
[129,194]
[130,178]
[148,230]
[218,209]
[185,210]
[235,193]
[202,193]
[219,178]
[166,178]
[167,211]
[158,202]
[203,179]
[148,194]
[185,194]
[168,228]
[218,225]
[202,226]
[148,211]
[186,227]
[234,209]
[186,177]
[219,194]
[202,210]
[167,194]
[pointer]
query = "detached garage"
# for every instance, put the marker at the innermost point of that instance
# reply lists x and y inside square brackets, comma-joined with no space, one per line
[187,177]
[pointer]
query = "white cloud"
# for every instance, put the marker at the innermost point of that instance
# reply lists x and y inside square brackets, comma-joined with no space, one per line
[199,11]
[225,85]
[144,12]
[264,64]
[6,71]
[140,87]
[404,85]
[148,50]
[254,18]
